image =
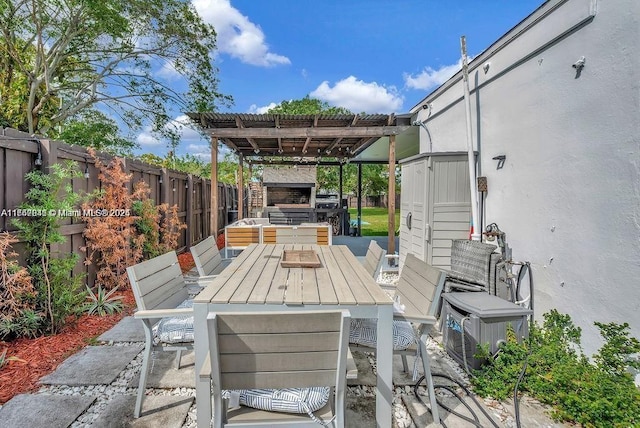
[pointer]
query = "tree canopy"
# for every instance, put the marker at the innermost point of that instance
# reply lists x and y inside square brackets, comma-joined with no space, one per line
[92,128]
[306,105]
[374,177]
[60,57]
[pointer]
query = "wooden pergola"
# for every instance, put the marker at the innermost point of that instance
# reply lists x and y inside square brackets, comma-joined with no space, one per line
[299,139]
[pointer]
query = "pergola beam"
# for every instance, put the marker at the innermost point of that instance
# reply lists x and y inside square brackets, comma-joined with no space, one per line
[320,132]
[240,125]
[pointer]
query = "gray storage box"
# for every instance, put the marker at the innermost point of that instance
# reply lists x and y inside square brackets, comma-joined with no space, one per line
[485,319]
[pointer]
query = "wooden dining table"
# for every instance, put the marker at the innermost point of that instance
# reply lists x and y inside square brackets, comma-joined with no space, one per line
[257,281]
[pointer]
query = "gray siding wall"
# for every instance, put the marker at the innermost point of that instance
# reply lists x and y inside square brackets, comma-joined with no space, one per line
[568,196]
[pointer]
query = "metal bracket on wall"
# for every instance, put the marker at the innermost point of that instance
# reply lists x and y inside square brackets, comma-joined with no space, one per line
[500,159]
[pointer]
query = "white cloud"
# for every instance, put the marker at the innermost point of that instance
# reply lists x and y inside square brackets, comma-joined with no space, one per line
[168,72]
[147,139]
[186,129]
[359,96]
[202,151]
[236,35]
[430,78]
[253,108]
[182,124]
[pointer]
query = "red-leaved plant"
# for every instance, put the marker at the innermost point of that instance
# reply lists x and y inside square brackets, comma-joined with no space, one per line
[112,242]
[16,289]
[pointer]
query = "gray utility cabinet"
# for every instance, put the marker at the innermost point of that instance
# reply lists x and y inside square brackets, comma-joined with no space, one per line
[471,319]
[435,206]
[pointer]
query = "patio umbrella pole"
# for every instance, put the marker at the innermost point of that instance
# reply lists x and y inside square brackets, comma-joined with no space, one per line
[475,231]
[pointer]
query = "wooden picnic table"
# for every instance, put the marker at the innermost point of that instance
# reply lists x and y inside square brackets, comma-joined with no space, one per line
[256,281]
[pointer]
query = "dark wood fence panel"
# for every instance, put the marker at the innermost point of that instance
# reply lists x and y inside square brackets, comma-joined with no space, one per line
[192,195]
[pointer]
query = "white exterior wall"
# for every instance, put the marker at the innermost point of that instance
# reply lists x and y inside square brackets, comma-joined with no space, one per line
[568,196]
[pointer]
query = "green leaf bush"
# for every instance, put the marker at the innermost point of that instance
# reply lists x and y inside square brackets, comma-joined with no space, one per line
[59,291]
[601,393]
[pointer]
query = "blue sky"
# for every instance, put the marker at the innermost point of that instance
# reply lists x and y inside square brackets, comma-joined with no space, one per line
[376,56]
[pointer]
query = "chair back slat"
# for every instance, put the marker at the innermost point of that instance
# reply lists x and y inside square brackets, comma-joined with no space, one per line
[279,379]
[158,283]
[207,257]
[278,350]
[419,288]
[373,258]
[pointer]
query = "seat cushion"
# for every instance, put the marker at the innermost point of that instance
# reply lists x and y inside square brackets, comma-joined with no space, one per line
[365,331]
[288,400]
[176,329]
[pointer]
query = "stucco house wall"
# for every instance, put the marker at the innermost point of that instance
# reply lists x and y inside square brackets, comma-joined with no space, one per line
[568,196]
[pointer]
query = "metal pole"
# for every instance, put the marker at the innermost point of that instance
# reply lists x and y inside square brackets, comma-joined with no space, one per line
[475,224]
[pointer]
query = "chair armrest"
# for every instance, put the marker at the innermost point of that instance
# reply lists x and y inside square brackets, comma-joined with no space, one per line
[419,319]
[162,313]
[207,278]
[352,368]
[389,288]
[205,370]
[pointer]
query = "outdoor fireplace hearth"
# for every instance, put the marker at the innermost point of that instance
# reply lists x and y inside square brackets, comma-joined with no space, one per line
[289,197]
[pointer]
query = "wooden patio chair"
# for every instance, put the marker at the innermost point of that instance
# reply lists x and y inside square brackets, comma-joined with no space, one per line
[208,260]
[417,300]
[374,258]
[376,261]
[251,352]
[162,297]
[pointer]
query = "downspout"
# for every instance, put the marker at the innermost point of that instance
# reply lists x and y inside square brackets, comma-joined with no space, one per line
[475,231]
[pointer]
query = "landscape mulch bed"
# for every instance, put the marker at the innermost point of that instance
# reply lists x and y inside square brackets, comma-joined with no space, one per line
[42,355]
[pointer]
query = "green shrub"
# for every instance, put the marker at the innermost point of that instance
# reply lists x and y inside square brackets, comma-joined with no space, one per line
[599,394]
[59,291]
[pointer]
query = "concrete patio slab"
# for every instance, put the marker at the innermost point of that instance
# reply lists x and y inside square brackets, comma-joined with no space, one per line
[360,412]
[163,372]
[367,377]
[532,413]
[43,410]
[422,416]
[94,365]
[157,411]
[128,329]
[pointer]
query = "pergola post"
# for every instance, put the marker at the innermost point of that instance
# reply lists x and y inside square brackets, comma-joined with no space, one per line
[391,204]
[359,199]
[240,186]
[213,215]
[340,199]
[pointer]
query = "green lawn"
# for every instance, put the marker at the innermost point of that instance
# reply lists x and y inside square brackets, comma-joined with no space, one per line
[378,219]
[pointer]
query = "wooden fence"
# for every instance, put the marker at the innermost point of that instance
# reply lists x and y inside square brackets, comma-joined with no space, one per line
[21,153]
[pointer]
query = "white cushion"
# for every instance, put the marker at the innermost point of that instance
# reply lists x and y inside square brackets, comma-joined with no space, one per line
[288,400]
[176,329]
[365,331]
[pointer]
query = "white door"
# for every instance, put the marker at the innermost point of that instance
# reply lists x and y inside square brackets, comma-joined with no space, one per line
[414,209]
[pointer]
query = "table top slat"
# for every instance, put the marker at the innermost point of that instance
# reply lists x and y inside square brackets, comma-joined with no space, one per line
[278,286]
[232,284]
[211,294]
[293,294]
[356,268]
[340,285]
[254,276]
[266,280]
[347,264]
[310,293]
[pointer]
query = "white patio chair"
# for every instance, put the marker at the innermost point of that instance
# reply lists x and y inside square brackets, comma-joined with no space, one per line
[253,353]
[417,300]
[208,260]
[164,307]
